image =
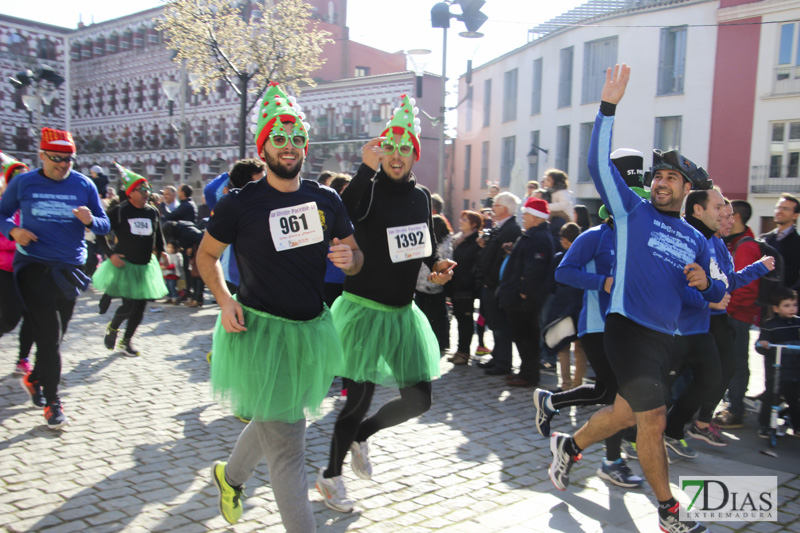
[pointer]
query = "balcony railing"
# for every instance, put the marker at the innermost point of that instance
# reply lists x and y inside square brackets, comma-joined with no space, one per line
[786,80]
[775,179]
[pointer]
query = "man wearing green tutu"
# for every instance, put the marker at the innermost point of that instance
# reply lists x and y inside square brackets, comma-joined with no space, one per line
[132,271]
[276,351]
[386,339]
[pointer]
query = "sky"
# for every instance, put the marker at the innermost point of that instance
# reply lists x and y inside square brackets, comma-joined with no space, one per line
[369,21]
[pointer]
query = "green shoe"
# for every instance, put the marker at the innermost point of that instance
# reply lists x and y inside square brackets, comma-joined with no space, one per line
[230,499]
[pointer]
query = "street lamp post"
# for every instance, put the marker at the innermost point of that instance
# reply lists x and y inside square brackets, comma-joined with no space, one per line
[172,89]
[472,18]
[45,82]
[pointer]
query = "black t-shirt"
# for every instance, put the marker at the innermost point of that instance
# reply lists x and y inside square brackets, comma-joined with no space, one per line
[138,232]
[389,206]
[258,220]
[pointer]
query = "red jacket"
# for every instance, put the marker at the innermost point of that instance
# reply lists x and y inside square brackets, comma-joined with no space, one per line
[743,301]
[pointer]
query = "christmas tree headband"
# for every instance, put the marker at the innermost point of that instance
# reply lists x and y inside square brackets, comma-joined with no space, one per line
[275,109]
[405,123]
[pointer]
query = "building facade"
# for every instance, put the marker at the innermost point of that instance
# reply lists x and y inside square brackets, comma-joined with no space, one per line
[720,92]
[113,101]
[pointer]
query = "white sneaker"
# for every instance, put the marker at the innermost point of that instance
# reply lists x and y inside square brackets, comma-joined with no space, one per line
[359,460]
[333,493]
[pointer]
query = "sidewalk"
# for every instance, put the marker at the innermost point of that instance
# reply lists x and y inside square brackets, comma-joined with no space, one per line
[145,431]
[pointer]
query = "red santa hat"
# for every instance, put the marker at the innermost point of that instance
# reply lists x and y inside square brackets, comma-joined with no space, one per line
[537,207]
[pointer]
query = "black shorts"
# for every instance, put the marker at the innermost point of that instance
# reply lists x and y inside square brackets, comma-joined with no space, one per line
[640,359]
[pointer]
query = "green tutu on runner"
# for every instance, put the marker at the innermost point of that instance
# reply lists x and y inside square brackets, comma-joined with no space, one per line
[136,282]
[277,370]
[384,344]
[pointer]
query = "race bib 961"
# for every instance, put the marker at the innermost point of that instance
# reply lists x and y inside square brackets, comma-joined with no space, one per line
[295,226]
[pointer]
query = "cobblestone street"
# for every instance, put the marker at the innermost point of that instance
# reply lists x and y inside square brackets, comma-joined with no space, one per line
[145,431]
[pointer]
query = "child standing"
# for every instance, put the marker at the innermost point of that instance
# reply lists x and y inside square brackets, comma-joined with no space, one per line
[172,265]
[782,328]
[567,302]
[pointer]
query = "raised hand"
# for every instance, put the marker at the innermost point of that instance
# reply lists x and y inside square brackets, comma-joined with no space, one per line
[616,81]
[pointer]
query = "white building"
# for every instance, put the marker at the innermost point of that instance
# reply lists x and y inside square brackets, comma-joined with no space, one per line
[686,92]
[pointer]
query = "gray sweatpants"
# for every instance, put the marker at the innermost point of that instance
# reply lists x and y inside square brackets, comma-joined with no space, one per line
[283,446]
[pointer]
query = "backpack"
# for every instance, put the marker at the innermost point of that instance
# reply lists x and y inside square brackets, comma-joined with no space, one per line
[771,281]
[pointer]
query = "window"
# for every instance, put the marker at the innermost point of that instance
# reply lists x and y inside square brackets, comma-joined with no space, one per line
[487,102]
[330,115]
[533,168]
[787,72]
[672,60]
[485,164]
[46,50]
[470,104]
[565,77]
[787,51]
[597,57]
[467,165]
[668,133]
[784,157]
[361,72]
[17,45]
[510,95]
[356,119]
[583,156]
[507,160]
[562,148]
[536,88]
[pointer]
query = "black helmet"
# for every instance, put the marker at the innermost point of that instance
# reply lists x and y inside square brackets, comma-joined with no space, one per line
[673,160]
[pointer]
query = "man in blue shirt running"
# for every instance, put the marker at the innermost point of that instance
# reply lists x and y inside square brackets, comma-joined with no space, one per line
[657,255]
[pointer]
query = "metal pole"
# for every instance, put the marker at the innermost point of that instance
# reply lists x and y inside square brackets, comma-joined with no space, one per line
[182,129]
[440,184]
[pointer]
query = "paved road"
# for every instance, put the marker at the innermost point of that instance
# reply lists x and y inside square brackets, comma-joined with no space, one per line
[145,431]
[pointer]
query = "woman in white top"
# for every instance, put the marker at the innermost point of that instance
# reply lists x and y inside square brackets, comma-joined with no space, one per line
[562,202]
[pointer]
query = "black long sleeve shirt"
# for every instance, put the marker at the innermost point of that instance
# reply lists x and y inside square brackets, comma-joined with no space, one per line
[374,205]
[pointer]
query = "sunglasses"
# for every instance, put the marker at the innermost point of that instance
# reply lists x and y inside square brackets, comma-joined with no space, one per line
[389,147]
[298,141]
[143,190]
[61,159]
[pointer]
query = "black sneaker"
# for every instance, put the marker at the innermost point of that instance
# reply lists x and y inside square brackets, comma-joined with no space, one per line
[127,348]
[54,414]
[543,414]
[111,337]
[34,390]
[671,523]
[562,461]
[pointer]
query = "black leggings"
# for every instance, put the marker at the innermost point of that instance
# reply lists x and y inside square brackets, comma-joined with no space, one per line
[351,426]
[603,392]
[463,309]
[49,312]
[699,354]
[723,336]
[132,311]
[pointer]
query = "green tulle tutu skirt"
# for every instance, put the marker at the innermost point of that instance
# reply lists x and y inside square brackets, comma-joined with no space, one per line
[392,346]
[277,370]
[136,282]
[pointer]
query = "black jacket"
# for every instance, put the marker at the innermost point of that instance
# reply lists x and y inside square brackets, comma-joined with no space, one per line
[488,273]
[789,249]
[528,269]
[467,255]
[186,210]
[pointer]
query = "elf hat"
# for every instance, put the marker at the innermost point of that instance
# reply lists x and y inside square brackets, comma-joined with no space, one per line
[405,123]
[11,167]
[130,179]
[57,141]
[537,207]
[275,109]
